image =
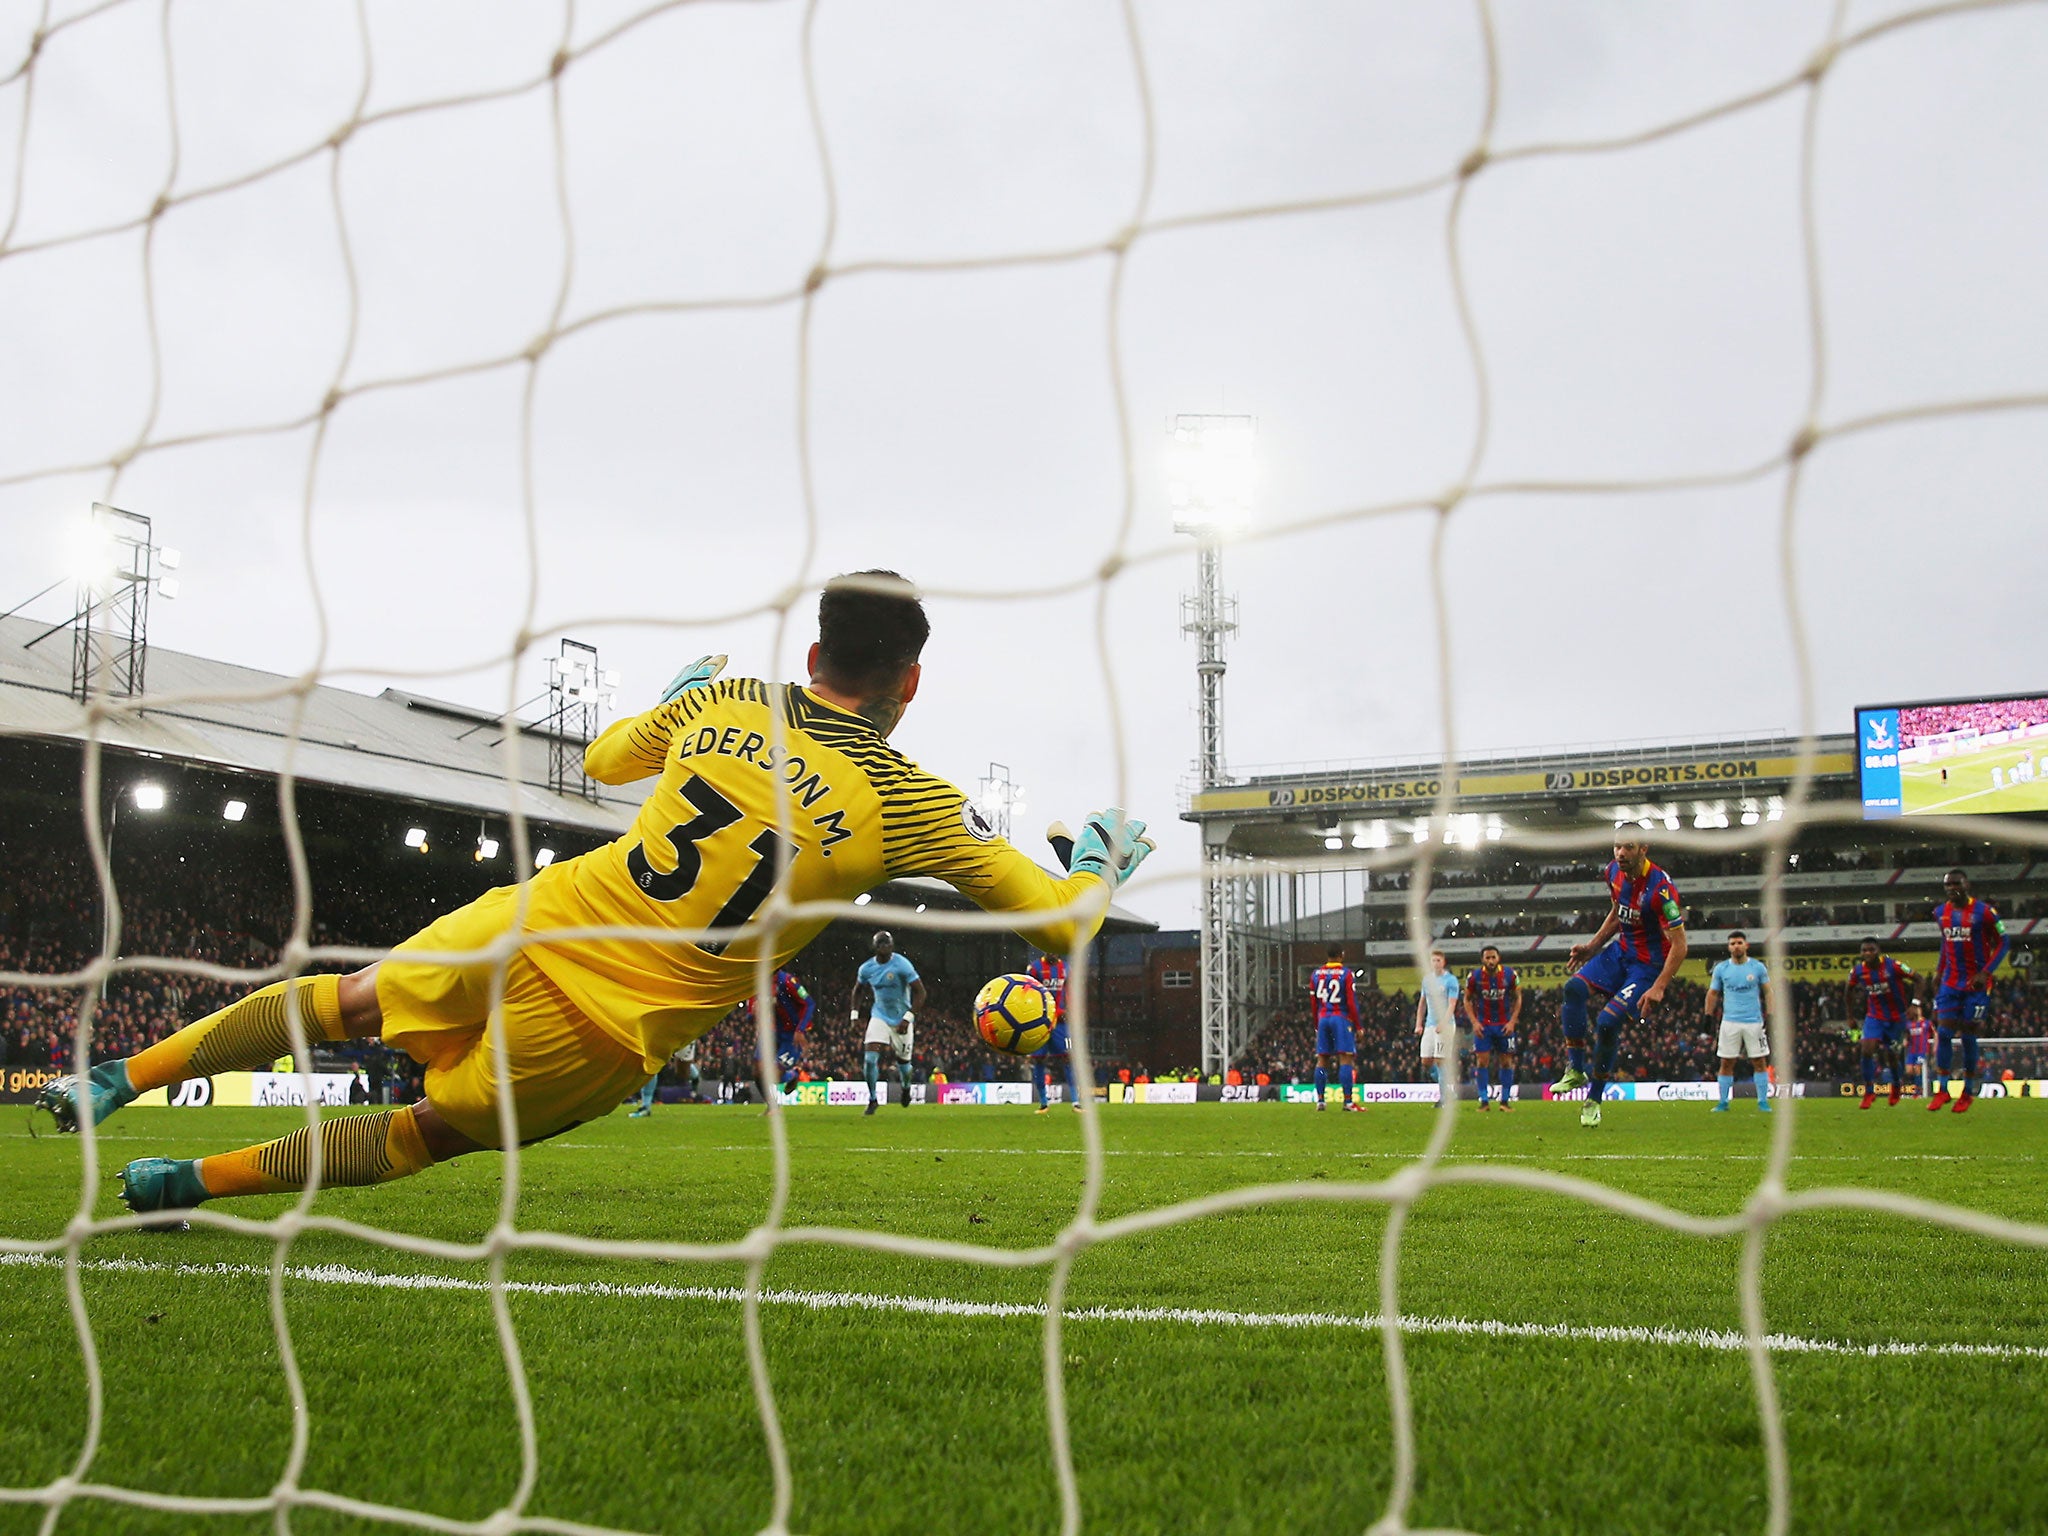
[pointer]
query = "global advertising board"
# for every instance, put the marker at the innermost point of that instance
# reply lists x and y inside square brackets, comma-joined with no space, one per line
[1953,757]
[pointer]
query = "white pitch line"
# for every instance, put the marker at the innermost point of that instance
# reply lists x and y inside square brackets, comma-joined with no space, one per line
[1414,1155]
[1714,1339]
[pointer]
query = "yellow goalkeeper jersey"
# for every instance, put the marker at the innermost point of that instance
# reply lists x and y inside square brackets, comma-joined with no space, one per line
[702,854]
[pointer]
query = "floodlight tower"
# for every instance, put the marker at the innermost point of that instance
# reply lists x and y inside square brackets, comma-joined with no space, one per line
[115,564]
[577,689]
[1001,798]
[1211,474]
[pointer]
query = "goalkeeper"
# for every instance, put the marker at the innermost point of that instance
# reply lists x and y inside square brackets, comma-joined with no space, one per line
[586,1021]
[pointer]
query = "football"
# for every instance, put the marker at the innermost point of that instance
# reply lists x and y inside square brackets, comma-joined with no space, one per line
[1014,1013]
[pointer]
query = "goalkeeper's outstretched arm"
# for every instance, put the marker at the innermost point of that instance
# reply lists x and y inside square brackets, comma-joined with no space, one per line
[992,873]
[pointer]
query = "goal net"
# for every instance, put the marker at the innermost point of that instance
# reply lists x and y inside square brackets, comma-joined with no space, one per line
[179,339]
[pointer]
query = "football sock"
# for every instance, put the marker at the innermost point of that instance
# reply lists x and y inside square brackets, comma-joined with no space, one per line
[354,1149]
[1067,1070]
[1322,1083]
[903,1077]
[1507,1084]
[1869,1072]
[1038,1082]
[1346,1076]
[647,1092]
[1761,1081]
[871,1069]
[1571,1014]
[697,1077]
[245,1036]
[1485,1077]
[1606,1045]
[1726,1083]
[1972,1081]
[1945,1048]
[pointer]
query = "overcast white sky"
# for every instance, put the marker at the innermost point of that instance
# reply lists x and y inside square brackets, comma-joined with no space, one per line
[1642,314]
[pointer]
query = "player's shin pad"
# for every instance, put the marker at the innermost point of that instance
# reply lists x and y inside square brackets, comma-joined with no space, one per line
[245,1036]
[354,1150]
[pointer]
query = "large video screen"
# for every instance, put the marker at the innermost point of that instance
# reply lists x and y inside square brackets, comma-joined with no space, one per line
[1954,758]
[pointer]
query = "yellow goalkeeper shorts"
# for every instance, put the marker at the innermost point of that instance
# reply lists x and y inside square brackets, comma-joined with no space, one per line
[563,1068]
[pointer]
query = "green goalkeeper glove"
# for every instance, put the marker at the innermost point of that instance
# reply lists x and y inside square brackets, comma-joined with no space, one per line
[695,675]
[1109,847]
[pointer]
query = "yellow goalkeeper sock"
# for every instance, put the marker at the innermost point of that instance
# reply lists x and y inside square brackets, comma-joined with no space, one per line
[354,1149]
[242,1037]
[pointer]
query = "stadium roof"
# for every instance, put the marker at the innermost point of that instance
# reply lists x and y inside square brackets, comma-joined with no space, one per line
[394,745]
[1287,812]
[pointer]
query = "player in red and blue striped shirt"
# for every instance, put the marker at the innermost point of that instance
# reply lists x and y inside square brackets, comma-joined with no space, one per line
[793,1008]
[1493,1007]
[1972,945]
[1647,926]
[1887,988]
[1050,972]
[1335,990]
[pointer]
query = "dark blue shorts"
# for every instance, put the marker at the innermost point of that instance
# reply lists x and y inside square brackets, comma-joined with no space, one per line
[789,1047]
[1953,1004]
[1495,1040]
[1621,977]
[1882,1029]
[1057,1043]
[1334,1037]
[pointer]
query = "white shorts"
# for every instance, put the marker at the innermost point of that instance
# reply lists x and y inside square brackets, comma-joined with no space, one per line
[1743,1040]
[880,1033]
[1432,1044]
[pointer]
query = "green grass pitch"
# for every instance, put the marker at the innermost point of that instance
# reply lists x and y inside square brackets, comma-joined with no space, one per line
[903,1418]
[1924,792]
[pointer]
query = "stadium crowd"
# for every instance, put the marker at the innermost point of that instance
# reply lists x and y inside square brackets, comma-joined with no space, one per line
[1996,715]
[51,925]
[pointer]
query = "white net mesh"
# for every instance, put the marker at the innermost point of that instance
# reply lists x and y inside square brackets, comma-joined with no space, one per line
[161,423]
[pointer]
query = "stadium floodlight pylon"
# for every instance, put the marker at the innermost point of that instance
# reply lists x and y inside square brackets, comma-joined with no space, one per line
[1211,482]
[578,689]
[113,563]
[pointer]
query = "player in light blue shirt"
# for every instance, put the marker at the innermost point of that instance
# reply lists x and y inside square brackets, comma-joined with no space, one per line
[1436,1017]
[1740,989]
[893,982]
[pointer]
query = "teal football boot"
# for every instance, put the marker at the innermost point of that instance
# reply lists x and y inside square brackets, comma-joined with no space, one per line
[161,1184]
[106,1090]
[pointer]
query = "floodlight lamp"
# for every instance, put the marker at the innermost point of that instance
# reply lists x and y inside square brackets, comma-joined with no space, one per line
[168,557]
[416,837]
[1421,832]
[1379,834]
[1671,819]
[610,678]
[1211,470]
[1333,841]
[234,810]
[1360,839]
[862,899]
[920,906]
[1495,827]
[167,587]
[486,848]
[88,550]
[1774,808]
[543,857]
[149,797]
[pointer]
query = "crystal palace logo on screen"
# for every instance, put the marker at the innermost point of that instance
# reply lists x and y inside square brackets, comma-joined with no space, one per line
[1880,735]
